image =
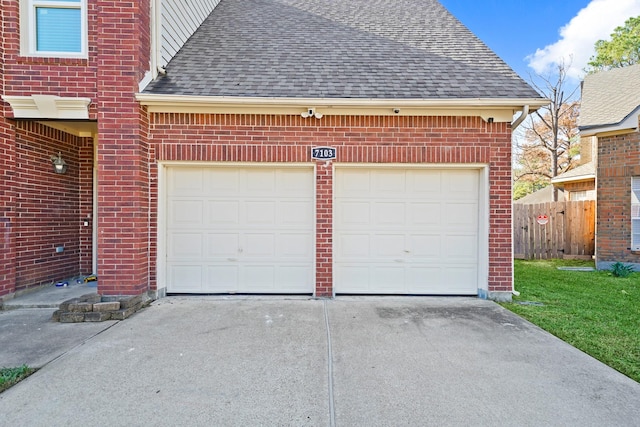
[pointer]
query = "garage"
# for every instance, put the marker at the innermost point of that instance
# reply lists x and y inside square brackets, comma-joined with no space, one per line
[406,231]
[239,229]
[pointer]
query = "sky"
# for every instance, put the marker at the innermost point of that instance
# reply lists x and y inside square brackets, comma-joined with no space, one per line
[533,37]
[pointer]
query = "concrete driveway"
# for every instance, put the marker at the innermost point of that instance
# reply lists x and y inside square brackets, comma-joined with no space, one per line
[219,361]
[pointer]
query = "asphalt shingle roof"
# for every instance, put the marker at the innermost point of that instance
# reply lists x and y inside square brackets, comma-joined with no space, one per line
[608,97]
[380,49]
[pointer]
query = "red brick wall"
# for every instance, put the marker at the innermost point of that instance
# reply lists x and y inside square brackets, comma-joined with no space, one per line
[47,205]
[261,138]
[123,186]
[25,75]
[618,161]
[7,207]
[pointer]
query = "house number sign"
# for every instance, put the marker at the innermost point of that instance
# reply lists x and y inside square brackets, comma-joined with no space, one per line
[323,153]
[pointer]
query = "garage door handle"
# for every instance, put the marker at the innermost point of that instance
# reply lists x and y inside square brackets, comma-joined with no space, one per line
[398,260]
[232,259]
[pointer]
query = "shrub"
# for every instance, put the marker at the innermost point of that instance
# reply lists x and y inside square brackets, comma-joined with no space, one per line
[621,270]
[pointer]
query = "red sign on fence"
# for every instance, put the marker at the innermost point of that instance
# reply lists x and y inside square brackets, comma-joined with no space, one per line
[542,219]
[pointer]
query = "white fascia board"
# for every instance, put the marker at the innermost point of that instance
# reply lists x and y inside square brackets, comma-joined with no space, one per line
[501,110]
[629,124]
[49,107]
[587,177]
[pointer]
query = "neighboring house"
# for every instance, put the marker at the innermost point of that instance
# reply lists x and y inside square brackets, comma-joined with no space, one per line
[190,164]
[543,195]
[579,183]
[609,113]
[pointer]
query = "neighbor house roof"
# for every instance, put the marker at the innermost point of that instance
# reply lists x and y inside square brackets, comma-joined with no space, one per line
[584,172]
[365,49]
[609,98]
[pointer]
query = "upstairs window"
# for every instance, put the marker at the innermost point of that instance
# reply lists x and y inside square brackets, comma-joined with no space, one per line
[635,213]
[56,28]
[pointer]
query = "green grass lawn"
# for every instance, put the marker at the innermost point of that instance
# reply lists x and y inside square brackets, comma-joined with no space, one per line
[11,376]
[593,311]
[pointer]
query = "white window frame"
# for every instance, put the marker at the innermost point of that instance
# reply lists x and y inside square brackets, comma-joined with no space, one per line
[635,213]
[28,28]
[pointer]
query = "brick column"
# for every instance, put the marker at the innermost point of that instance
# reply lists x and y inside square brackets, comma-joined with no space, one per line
[123,184]
[500,222]
[324,230]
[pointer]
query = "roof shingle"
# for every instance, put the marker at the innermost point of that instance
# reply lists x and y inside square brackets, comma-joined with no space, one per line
[379,49]
[608,97]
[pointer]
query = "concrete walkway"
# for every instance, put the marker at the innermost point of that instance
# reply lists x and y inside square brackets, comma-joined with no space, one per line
[235,361]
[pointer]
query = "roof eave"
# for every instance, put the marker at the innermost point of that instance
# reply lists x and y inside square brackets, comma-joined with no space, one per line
[498,109]
[626,125]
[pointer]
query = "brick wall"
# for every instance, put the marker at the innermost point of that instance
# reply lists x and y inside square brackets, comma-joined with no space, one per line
[123,186]
[424,140]
[7,207]
[47,205]
[24,75]
[618,161]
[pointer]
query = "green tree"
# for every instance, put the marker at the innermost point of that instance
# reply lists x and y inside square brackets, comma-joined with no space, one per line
[622,50]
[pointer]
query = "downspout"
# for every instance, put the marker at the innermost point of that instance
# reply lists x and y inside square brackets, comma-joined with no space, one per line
[521,117]
[514,125]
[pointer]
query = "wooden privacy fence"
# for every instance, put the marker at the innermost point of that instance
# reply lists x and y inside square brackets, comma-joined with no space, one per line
[554,230]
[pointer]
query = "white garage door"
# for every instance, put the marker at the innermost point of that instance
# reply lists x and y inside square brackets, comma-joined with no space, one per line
[244,229]
[406,231]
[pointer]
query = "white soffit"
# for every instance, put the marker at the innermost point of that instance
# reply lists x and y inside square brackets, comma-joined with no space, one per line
[49,107]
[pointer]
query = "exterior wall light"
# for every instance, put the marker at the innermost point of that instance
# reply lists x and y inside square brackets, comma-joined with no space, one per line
[59,165]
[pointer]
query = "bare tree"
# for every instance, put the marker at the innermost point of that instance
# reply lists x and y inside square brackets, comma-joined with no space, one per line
[551,133]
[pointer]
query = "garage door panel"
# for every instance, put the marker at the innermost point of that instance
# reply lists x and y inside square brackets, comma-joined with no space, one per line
[458,279]
[388,279]
[425,214]
[388,245]
[186,182]
[424,279]
[427,246]
[259,245]
[462,215]
[461,248]
[223,212]
[221,278]
[243,229]
[258,278]
[186,213]
[219,182]
[184,245]
[389,181]
[186,277]
[260,182]
[353,278]
[389,214]
[354,183]
[290,277]
[293,246]
[222,245]
[425,182]
[354,246]
[422,226]
[356,213]
[260,213]
[295,214]
[295,183]
[462,185]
